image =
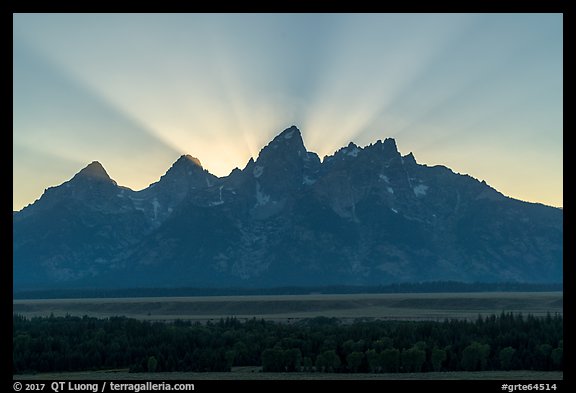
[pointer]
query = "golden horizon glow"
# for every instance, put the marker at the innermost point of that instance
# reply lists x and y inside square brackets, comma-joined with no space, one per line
[481,94]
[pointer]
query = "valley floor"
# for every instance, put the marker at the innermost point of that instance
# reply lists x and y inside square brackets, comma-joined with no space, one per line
[291,308]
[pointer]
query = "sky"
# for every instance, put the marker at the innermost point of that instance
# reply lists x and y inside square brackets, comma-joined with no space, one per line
[479,93]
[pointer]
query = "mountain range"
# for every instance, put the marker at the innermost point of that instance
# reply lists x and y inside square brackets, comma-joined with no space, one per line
[362,216]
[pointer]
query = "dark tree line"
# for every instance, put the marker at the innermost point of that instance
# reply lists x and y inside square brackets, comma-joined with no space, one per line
[499,342]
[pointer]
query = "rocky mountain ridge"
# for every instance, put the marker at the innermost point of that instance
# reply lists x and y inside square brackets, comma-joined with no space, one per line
[363,216]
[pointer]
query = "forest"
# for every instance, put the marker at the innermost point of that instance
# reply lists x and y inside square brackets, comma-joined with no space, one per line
[499,342]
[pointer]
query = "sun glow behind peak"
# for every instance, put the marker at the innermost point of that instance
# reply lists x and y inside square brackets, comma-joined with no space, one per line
[136,91]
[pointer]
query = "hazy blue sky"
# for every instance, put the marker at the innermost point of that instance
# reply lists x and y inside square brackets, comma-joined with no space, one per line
[479,93]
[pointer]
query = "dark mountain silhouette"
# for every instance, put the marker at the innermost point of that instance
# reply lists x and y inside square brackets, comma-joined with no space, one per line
[363,216]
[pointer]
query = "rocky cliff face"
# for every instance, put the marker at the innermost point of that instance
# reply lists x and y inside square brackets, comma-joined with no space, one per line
[362,216]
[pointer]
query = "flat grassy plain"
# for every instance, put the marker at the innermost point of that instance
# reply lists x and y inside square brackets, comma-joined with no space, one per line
[291,308]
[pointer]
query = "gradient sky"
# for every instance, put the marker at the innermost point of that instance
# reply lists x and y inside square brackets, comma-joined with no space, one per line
[479,93]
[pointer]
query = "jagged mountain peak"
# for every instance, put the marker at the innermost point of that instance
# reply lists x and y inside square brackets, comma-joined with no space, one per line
[187,159]
[187,172]
[290,132]
[389,147]
[249,164]
[386,149]
[409,159]
[287,142]
[351,150]
[370,216]
[94,170]
[185,165]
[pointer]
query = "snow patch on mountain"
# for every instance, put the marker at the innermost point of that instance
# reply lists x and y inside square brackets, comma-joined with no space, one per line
[156,206]
[420,190]
[261,198]
[220,201]
[289,134]
[353,152]
[307,181]
[258,170]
